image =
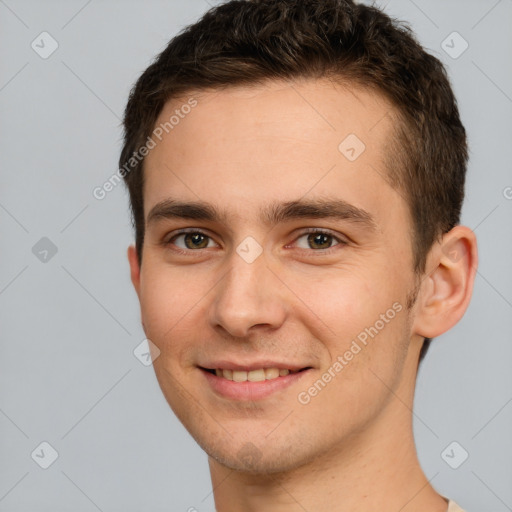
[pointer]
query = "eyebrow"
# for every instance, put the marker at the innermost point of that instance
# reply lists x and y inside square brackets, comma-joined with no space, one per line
[271,214]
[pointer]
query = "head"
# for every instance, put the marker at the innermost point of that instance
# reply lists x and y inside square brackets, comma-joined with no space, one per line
[246,114]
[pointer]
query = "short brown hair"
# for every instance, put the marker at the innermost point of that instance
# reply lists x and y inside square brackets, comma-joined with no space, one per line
[246,42]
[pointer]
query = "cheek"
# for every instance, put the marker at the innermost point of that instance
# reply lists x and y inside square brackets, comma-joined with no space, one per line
[346,302]
[362,324]
[362,376]
[168,298]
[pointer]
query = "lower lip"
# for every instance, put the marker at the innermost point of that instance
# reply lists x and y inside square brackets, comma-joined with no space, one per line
[250,390]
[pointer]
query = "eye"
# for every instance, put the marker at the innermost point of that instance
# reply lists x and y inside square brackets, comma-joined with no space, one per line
[318,240]
[191,240]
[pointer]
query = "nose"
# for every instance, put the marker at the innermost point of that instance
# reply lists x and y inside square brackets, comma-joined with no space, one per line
[248,297]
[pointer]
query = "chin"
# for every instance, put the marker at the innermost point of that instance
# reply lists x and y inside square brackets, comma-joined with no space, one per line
[264,459]
[264,466]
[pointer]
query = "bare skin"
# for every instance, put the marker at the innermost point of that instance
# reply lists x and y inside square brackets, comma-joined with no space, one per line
[302,302]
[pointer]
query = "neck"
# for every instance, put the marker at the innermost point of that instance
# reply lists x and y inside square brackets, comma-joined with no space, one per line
[377,468]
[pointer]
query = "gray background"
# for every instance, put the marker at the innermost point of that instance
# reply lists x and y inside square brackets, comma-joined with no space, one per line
[69,325]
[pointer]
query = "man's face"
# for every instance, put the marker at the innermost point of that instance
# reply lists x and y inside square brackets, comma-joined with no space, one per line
[254,291]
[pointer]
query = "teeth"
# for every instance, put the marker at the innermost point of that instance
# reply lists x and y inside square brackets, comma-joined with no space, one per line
[239,376]
[271,373]
[258,375]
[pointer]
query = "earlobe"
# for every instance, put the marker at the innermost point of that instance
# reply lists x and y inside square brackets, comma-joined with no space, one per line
[446,289]
[133,260]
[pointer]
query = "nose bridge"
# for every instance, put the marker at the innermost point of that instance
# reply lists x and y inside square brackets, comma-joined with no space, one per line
[247,296]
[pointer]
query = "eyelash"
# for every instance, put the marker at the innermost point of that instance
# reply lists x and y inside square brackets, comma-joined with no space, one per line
[308,231]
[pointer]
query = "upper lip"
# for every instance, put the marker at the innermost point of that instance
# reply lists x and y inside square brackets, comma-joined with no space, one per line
[253,365]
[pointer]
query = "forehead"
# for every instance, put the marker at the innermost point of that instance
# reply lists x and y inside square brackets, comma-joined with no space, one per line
[309,109]
[278,140]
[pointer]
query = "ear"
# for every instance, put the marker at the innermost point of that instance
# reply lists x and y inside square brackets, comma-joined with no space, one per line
[446,288]
[133,259]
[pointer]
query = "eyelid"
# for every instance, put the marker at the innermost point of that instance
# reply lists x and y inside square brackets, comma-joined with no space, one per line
[169,239]
[341,240]
[183,231]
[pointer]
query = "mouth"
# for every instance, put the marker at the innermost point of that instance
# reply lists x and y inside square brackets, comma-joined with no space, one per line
[257,375]
[253,383]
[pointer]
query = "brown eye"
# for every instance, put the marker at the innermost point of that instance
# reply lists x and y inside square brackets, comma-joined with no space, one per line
[196,241]
[192,240]
[317,240]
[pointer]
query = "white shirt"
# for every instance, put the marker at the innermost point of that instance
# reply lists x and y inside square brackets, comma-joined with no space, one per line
[453,507]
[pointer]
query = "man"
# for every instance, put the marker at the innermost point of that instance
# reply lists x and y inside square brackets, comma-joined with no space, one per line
[296,172]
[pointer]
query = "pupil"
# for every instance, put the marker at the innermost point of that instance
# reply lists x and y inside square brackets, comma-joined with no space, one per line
[316,239]
[197,239]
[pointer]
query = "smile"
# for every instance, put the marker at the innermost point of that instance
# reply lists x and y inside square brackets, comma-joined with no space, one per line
[253,375]
[254,384]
